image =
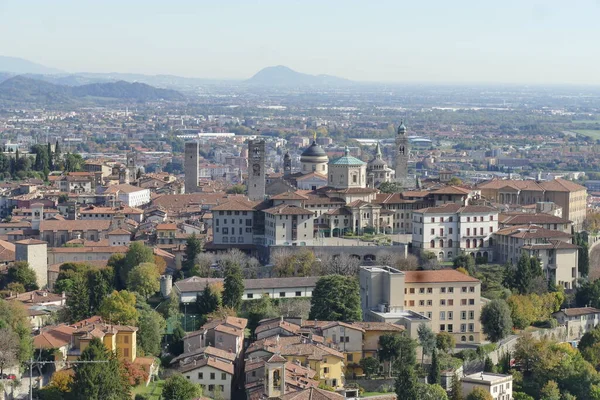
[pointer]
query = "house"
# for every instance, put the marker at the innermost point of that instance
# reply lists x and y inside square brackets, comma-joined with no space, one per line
[55,338]
[120,339]
[213,374]
[578,321]
[297,377]
[132,196]
[497,385]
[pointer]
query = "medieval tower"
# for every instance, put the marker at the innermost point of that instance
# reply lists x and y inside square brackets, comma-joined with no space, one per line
[191,166]
[256,170]
[402,152]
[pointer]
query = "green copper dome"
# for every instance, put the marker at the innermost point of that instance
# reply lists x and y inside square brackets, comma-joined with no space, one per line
[347,159]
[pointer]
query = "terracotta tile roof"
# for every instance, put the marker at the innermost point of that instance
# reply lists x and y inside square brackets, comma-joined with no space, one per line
[195,283]
[379,326]
[527,219]
[30,241]
[441,276]
[236,205]
[311,175]
[123,188]
[344,324]
[208,350]
[166,227]
[119,232]
[74,225]
[289,196]
[449,208]
[53,337]
[531,232]
[276,358]
[576,312]
[179,202]
[561,185]
[211,362]
[89,249]
[286,326]
[452,190]
[312,393]
[7,251]
[287,209]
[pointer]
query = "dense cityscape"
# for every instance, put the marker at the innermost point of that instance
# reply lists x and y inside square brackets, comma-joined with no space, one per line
[292,236]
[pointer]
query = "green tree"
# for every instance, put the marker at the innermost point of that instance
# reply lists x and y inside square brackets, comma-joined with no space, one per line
[144,279]
[455,181]
[465,261]
[237,189]
[588,294]
[233,286]
[390,187]
[99,381]
[119,308]
[369,365]
[583,259]
[336,298]
[176,387]
[20,272]
[209,300]
[14,316]
[431,392]
[151,328]
[589,346]
[193,247]
[550,391]
[406,383]
[78,300]
[136,254]
[479,394]
[397,349]
[434,376]
[102,282]
[427,339]
[176,345]
[445,342]
[495,320]
[456,388]
[257,310]
[488,365]
[9,344]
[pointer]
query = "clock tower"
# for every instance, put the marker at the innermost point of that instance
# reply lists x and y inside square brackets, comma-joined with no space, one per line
[402,151]
[256,170]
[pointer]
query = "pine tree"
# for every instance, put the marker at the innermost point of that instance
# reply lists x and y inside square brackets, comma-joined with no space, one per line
[209,301]
[456,389]
[193,247]
[78,300]
[49,151]
[434,370]
[488,365]
[523,276]
[233,287]
[99,381]
[406,383]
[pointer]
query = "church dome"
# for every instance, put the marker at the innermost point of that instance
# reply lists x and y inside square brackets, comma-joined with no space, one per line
[347,159]
[314,150]
[401,128]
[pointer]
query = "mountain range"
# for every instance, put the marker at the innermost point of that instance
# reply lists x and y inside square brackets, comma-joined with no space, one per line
[276,76]
[21,89]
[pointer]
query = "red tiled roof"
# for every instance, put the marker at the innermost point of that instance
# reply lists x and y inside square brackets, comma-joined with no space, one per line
[443,275]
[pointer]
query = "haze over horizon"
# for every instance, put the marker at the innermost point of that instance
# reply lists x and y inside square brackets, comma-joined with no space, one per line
[438,42]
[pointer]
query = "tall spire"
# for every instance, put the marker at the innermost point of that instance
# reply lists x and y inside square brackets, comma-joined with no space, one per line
[378,151]
[315,136]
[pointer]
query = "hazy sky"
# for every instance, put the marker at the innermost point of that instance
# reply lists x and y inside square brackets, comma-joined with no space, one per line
[519,41]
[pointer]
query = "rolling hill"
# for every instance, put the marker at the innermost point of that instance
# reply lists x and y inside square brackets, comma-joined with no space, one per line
[21,66]
[26,90]
[283,76]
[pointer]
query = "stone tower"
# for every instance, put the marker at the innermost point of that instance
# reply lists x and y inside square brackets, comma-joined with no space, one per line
[131,168]
[275,376]
[402,151]
[287,164]
[256,170]
[378,170]
[191,166]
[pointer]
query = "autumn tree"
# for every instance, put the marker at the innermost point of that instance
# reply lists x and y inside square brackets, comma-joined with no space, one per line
[119,308]
[144,279]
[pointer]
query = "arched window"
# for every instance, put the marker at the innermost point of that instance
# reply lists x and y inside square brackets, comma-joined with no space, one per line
[468,243]
[449,254]
[471,338]
[432,244]
[450,243]
[442,243]
[463,338]
[480,242]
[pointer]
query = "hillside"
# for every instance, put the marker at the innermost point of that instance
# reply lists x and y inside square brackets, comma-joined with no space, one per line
[21,66]
[27,90]
[284,76]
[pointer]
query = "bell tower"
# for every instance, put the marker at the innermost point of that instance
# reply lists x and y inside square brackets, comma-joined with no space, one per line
[275,376]
[287,164]
[256,170]
[402,152]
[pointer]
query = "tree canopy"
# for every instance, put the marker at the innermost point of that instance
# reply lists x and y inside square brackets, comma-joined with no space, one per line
[495,320]
[119,308]
[336,298]
[176,387]
[144,279]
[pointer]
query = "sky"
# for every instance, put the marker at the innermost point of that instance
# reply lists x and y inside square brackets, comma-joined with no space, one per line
[428,41]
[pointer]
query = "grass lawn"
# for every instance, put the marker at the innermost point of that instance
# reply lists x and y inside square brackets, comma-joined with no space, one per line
[593,133]
[148,390]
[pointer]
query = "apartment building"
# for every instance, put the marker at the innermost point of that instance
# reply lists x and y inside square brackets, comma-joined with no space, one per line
[557,255]
[545,221]
[233,222]
[288,225]
[497,385]
[446,300]
[571,197]
[578,321]
[450,229]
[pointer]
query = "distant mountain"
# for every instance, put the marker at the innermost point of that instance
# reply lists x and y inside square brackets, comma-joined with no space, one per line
[22,66]
[23,89]
[284,76]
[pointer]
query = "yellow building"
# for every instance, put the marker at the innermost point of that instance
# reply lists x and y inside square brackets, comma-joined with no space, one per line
[571,197]
[119,339]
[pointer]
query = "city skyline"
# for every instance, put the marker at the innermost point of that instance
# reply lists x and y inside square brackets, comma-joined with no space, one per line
[438,42]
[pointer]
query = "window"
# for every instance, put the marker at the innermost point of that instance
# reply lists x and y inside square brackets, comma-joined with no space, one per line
[471,302]
[450,328]
[432,244]
[442,315]
[471,314]
[450,302]
[411,303]
[464,289]
[463,315]
[126,352]
[432,231]
[468,231]
[468,219]
[463,302]
[442,327]
[442,290]
[126,339]
[298,294]
[223,376]
[432,219]
[211,388]
[421,290]
[463,338]
[463,327]
[450,289]
[200,375]
[250,296]
[430,302]
[421,302]
[281,294]
[450,315]
[350,357]
[472,289]
[429,290]
[429,314]
[471,327]
[212,376]
[326,370]
[442,302]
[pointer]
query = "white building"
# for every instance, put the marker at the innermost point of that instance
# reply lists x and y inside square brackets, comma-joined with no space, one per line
[288,225]
[233,222]
[214,375]
[347,172]
[578,321]
[132,196]
[451,229]
[498,385]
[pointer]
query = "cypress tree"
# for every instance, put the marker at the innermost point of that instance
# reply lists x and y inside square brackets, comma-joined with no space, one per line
[434,371]
[406,383]
[233,287]
[456,389]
